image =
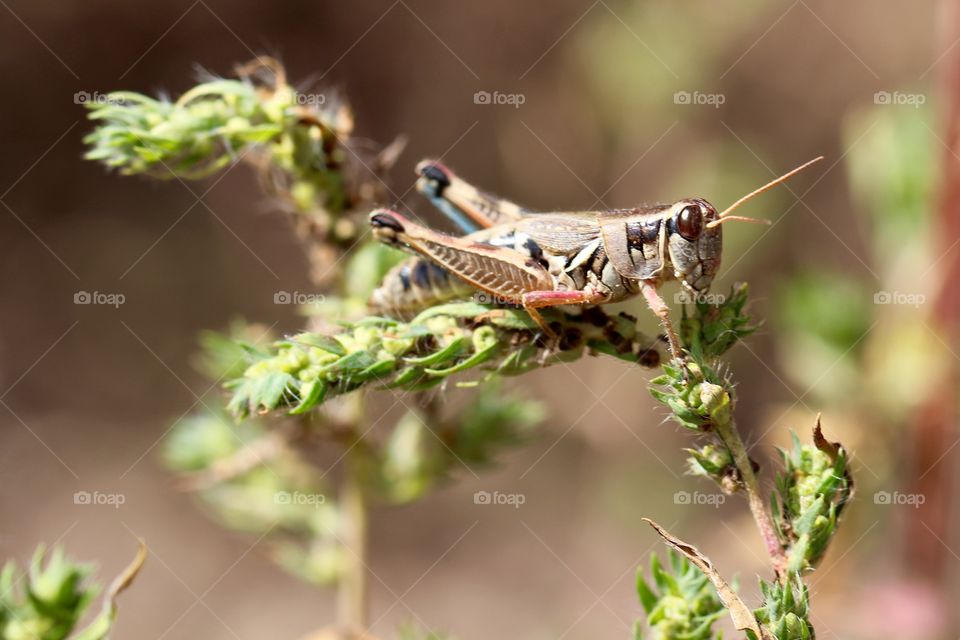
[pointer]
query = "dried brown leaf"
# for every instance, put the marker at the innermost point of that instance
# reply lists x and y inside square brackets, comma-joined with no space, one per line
[743,618]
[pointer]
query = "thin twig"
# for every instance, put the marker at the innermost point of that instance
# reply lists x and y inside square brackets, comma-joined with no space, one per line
[352,587]
[728,433]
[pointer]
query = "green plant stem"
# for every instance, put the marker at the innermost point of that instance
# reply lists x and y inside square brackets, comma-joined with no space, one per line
[352,587]
[727,431]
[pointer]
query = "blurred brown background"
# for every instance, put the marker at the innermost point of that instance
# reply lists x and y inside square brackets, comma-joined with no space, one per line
[87,391]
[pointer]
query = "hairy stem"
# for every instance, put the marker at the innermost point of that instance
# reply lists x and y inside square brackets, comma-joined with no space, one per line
[728,433]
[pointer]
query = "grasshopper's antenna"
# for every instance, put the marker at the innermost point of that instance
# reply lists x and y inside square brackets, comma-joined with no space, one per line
[719,221]
[724,215]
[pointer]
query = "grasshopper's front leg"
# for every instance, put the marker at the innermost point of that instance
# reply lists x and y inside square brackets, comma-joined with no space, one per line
[662,311]
[504,273]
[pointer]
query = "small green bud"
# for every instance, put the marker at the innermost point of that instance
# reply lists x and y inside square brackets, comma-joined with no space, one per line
[484,338]
[812,490]
[682,603]
[785,609]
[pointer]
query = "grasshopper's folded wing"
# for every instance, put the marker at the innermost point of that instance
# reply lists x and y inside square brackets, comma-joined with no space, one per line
[561,233]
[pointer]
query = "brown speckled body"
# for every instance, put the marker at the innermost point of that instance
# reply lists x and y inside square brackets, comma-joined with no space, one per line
[572,248]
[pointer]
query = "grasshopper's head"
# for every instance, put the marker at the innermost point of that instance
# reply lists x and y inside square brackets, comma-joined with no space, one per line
[693,244]
[686,234]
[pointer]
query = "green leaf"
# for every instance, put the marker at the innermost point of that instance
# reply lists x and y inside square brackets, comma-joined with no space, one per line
[648,599]
[311,394]
[327,343]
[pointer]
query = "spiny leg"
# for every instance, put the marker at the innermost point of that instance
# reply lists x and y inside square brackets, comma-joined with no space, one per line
[419,282]
[534,300]
[662,311]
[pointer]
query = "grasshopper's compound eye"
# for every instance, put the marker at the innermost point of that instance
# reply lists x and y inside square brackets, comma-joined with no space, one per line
[690,222]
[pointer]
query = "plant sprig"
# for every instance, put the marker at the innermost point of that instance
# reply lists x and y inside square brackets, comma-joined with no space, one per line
[300,143]
[47,601]
[301,372]
[812,489]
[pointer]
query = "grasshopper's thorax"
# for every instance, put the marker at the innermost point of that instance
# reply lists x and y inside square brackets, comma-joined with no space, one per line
[582,267]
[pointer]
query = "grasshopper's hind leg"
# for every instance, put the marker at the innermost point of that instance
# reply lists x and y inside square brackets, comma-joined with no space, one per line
[504,273]
[469,207]
[534,300]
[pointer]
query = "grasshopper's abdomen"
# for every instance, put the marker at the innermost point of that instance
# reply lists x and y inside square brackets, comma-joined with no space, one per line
[415,284]
[418,283]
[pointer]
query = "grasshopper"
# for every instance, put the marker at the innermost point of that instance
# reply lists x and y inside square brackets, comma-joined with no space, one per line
[539,260]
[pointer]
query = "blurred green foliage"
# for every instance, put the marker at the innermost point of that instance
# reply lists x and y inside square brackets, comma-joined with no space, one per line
[47,601]
[191,138]
[253,477]
[825,314]
[252,481]
[681,603]
[220,121]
